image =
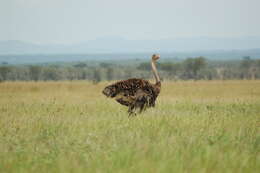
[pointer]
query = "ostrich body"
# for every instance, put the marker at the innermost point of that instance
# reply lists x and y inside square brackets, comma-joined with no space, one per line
[136,93]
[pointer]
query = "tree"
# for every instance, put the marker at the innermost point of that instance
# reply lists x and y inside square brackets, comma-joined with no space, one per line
[128,73]
[80,65]
[199,63]
[96,76]
[144,66]
[246,65]
[220,72]
[4,72]
[246,62]
[110,73]
[51,73]
[105,65]
[172,69]
[35,72]
[193,65]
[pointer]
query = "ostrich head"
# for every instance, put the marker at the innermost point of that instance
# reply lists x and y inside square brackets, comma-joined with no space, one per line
[155,57]
[110,91]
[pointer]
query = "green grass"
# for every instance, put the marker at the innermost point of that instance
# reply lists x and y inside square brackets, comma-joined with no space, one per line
[71,127]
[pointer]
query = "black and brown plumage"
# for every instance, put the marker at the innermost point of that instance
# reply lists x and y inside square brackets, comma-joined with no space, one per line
[136,93]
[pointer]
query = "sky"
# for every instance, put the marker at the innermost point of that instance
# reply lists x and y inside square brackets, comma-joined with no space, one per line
[74,21]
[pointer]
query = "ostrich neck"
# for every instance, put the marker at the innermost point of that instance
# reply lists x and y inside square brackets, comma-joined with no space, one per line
[155,72]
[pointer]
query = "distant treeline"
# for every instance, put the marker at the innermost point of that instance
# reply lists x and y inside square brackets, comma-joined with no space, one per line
[191,68]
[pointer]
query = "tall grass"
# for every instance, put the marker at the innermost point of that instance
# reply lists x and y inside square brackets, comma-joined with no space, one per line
[71,127]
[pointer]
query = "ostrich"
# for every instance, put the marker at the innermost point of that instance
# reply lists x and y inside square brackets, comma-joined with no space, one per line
[136,93]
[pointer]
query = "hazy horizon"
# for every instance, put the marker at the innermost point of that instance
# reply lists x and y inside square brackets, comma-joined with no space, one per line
[118,38]
[70,22]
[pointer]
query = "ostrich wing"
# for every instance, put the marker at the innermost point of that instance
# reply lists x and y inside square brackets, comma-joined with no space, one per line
[127,90]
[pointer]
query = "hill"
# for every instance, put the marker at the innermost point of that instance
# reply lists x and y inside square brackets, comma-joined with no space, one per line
[121,45]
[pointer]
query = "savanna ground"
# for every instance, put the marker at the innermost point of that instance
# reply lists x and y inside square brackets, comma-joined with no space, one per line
[202,126]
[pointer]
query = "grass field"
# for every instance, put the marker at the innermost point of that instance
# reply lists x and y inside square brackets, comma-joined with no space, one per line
[202,126]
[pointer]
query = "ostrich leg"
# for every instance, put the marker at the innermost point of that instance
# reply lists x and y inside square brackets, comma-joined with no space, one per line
[131,110]
[140,100]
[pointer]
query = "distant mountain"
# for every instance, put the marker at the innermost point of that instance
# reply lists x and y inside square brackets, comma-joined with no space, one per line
[21,47]
[121,45]
[124,57]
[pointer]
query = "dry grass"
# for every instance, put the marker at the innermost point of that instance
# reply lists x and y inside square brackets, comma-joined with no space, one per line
[203,126]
